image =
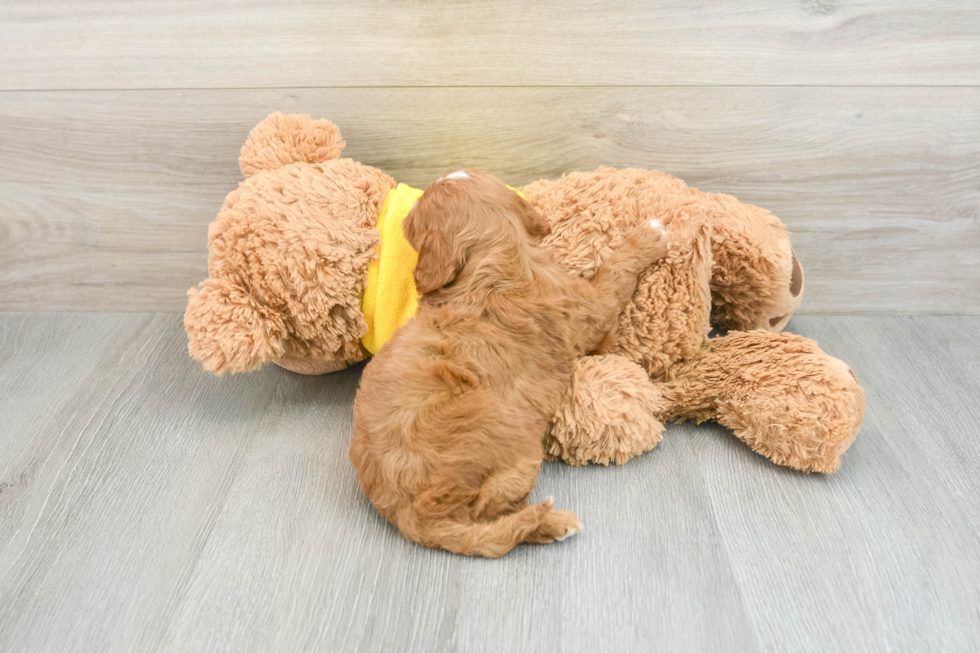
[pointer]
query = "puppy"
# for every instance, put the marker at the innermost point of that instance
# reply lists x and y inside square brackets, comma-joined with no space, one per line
[450,414]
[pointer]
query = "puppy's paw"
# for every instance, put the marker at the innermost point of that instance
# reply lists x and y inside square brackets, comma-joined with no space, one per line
[556,525]
[650,242]
[572,530]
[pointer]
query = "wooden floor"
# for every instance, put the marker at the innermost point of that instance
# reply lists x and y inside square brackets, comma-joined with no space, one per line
[148,506]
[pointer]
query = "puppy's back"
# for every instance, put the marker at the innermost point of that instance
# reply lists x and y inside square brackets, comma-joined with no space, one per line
[438,453]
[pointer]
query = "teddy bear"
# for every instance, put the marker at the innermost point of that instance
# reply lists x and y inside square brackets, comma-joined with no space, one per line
[308,269]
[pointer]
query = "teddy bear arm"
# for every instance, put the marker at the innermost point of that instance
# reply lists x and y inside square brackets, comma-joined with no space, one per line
[229,330]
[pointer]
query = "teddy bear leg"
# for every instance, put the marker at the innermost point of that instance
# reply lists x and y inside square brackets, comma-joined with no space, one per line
[609,413]
[780,394]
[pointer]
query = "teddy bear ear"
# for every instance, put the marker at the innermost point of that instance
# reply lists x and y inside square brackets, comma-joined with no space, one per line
[282,139]
[229,331]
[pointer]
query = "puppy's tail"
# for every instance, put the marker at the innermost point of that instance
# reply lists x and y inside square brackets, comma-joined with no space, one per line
[537,524]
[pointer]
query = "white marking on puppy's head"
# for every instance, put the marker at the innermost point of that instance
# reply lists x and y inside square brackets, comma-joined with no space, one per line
[458,174]
[656,224]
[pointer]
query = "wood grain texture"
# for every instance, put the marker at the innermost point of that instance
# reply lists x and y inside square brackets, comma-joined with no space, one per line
[145,505]
[867,537]
[105,197]
[75,44]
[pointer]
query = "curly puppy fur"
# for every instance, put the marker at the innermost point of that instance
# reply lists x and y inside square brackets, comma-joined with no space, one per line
[667,318]
[451,414]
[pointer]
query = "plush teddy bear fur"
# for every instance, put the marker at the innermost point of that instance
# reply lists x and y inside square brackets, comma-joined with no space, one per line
[288,258]
[288,255]
[779,393]
[730,266]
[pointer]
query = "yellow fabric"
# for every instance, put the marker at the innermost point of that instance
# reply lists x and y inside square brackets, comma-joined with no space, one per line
[390,298]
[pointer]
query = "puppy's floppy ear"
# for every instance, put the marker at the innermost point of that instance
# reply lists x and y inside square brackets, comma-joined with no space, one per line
[437,264]
[535,225]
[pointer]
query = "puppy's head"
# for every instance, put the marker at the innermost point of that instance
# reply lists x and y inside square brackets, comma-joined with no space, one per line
[463,217]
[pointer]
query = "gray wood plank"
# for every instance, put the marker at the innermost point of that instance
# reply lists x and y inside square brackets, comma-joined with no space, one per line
[157,508]
[105,197]
[883,554]
[186,44]
[191,513]
[110,499]
[929,368]
[327,573]
[43,362]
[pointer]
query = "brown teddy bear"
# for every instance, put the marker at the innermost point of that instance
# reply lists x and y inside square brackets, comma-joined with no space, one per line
[293,248]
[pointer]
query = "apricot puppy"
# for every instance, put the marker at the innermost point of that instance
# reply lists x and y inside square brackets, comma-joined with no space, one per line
[450,414]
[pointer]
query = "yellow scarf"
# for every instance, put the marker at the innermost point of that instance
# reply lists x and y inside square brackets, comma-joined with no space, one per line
[390,298]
